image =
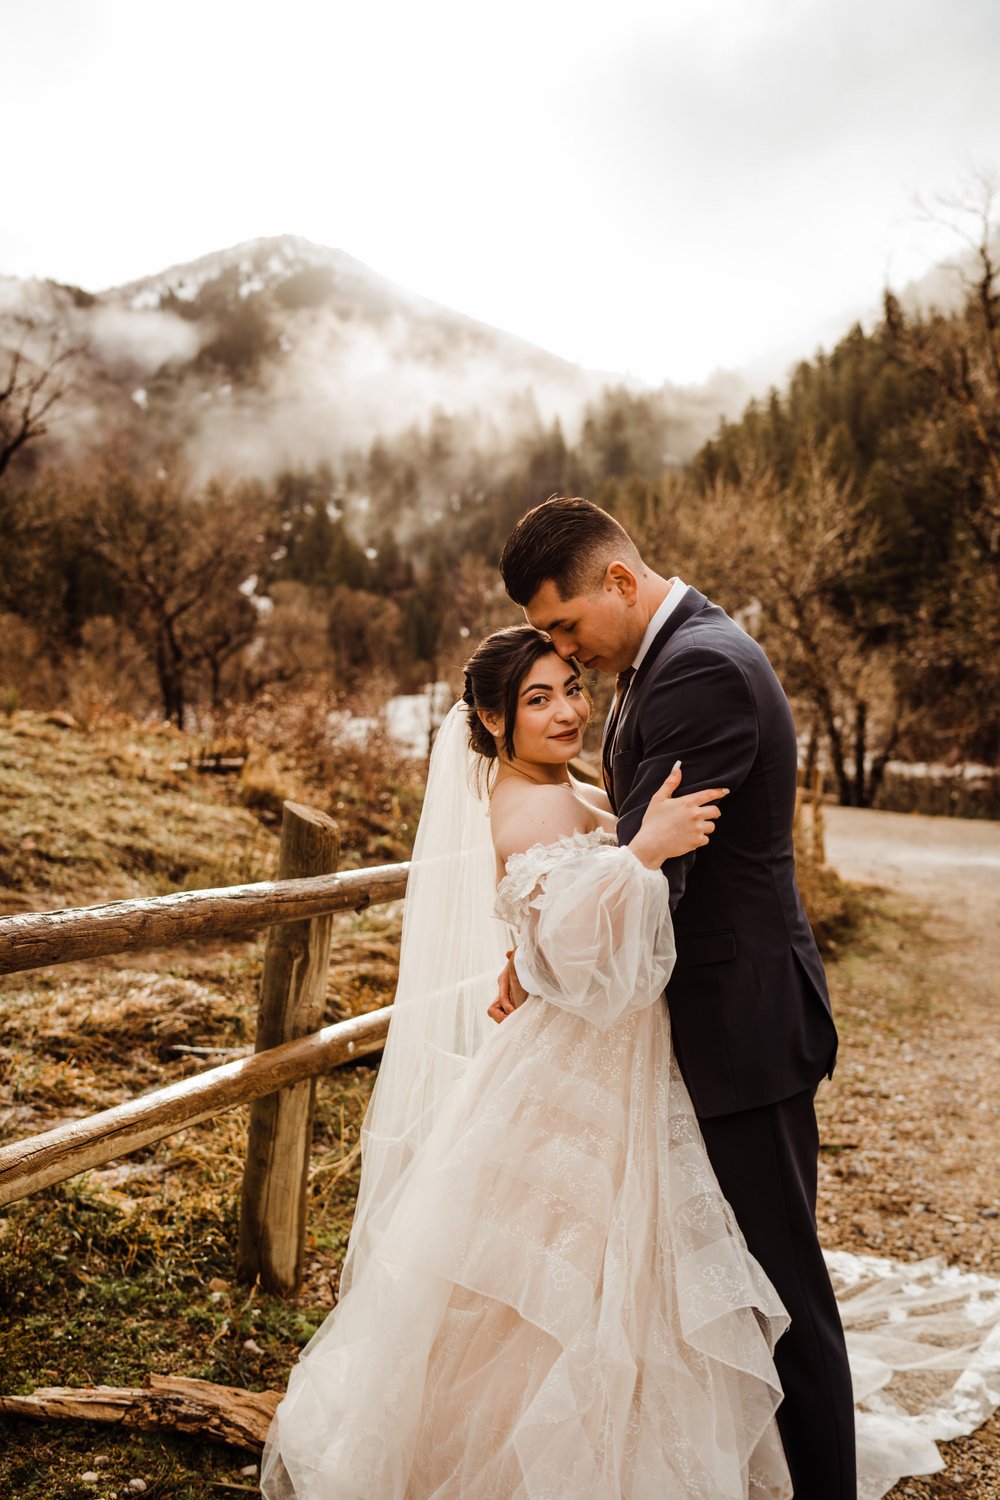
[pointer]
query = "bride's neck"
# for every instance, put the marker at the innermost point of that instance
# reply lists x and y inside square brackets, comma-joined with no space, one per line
[542,774]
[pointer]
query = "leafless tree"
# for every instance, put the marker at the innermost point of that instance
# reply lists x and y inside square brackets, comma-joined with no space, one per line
[180,560]
[956,356]
[30,389]
[788,552]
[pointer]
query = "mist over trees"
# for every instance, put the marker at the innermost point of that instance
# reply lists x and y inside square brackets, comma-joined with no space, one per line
[850,521]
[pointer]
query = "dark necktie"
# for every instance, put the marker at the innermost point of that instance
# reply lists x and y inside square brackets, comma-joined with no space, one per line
[621,688]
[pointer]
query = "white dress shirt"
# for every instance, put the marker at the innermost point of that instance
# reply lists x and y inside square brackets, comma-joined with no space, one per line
[678,588]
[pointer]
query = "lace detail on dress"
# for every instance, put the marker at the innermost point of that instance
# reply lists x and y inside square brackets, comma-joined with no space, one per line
[524,870]
[923,1339]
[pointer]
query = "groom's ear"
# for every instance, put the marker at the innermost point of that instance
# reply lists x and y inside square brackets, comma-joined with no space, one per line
[621,579]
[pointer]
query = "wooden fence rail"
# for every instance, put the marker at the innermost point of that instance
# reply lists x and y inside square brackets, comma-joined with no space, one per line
[278,1081]
[31,940]
[79,1145]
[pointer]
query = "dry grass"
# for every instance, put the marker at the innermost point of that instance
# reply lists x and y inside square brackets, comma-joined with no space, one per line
[834,907]
[130,1268]
[98,814]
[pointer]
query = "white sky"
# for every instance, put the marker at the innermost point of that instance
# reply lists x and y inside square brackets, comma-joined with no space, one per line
[659,187]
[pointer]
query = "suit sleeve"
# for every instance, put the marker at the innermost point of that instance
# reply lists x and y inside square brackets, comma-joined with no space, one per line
[698,710]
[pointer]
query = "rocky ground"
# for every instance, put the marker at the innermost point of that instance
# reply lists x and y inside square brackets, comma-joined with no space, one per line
[911,1121]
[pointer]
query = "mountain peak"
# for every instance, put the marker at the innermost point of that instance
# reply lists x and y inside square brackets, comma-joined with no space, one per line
[281,353]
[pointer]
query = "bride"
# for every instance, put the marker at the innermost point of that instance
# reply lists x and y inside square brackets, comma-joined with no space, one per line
[546,1296]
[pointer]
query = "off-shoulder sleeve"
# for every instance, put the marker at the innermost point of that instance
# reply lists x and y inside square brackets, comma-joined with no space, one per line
[593,926]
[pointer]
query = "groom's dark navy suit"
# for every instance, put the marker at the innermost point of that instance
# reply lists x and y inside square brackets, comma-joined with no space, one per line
[749,1009]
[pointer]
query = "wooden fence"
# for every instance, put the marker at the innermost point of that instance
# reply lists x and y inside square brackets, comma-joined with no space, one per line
[278,1081]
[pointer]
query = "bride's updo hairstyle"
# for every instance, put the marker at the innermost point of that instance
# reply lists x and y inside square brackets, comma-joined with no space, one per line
[493,675]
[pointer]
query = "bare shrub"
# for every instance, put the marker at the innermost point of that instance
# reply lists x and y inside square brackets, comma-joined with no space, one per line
[26,671]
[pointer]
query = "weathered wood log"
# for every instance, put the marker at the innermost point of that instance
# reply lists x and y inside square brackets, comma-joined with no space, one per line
[292,993]
[31,940]
[221,1413]
[220,765]
[79,1145]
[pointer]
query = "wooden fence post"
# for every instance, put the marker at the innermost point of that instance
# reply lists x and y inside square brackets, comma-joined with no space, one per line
[818,820]
[292,992]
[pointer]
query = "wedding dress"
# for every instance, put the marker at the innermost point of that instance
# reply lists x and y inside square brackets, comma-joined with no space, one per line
[561,1306]
[546,1296]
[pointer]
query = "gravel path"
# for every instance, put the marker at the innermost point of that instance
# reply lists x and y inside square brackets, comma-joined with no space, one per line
[951,862]
[911,1122]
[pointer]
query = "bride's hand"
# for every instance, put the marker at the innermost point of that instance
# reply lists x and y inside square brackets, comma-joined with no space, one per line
[676,825]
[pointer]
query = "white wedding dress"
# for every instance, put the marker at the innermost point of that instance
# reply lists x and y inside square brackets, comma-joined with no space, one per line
[546,1296]
[560,1306]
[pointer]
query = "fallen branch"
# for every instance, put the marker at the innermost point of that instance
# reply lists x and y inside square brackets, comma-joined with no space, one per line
[221,1413]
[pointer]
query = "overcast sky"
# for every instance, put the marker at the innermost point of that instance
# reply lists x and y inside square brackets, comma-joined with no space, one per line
[659,187]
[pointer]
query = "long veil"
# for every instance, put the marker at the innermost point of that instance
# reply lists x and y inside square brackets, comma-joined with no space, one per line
[452,951]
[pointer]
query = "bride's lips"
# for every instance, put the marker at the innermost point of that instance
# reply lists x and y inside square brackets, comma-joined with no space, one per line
[570,734]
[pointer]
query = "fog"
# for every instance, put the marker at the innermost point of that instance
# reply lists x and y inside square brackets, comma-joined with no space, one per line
[363,359]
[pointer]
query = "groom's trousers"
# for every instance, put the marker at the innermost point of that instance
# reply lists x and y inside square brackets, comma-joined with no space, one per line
[766,1163]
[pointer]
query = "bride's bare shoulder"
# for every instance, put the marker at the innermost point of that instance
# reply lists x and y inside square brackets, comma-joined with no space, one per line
[522,814]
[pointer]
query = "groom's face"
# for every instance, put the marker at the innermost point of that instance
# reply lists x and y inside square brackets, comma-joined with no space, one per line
[602,630]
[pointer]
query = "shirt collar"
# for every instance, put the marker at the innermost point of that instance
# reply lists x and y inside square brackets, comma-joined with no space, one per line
[674,596]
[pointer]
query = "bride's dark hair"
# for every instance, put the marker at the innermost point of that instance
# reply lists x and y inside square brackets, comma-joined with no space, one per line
[493,675]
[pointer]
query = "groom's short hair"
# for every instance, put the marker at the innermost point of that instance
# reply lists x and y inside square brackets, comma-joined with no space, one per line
[566,541]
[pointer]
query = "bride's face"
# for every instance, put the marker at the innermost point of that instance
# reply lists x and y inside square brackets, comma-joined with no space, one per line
[552,712]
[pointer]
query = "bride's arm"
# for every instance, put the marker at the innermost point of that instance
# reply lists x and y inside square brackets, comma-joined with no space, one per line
[596,937]
[519,817]
[595,933]
[530,814]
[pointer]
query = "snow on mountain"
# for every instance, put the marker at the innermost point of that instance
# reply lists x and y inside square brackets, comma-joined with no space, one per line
[279,352]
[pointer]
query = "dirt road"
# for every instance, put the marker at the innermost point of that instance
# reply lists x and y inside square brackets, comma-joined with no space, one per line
[911,1121]
[952,864]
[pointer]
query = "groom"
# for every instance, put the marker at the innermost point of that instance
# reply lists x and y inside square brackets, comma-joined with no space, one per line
[749,1009]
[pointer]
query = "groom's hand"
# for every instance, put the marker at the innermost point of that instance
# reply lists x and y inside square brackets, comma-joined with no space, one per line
[510,993]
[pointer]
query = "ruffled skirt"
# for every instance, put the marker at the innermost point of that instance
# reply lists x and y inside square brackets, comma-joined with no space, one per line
[560,1305]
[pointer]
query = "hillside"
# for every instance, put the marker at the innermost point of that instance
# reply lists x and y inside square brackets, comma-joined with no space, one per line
[280,353]
[130,1268]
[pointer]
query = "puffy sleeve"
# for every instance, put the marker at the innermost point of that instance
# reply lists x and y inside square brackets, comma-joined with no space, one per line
[593,926]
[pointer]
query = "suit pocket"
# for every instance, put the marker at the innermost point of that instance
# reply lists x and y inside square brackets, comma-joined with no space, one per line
[705,948]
